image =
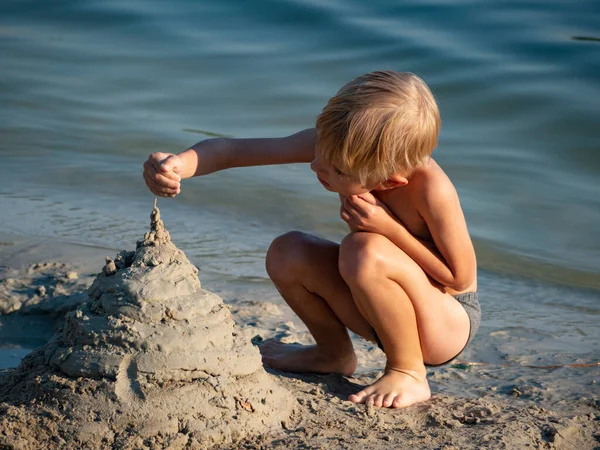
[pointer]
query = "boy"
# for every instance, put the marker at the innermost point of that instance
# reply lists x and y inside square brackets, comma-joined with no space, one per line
[405,276]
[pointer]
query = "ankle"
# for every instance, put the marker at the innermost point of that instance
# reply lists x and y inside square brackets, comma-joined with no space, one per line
[416,368]
[415,375]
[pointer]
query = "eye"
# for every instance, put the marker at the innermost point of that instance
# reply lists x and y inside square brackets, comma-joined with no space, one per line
[338,171]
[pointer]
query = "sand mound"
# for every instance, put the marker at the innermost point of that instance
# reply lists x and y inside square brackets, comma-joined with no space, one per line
[151,360]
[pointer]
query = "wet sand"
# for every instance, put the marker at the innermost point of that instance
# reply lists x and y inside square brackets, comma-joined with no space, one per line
[502,402]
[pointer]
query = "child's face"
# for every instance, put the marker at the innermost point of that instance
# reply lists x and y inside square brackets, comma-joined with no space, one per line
[335,180]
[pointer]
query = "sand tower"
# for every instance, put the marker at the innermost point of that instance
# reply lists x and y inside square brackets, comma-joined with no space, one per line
[151,360]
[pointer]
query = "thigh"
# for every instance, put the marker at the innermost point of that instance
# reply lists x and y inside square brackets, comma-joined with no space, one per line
[442,321]
[315,265]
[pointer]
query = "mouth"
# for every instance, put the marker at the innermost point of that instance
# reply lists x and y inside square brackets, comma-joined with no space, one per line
[323,182]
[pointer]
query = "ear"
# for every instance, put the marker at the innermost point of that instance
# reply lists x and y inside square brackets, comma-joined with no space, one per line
[393,182]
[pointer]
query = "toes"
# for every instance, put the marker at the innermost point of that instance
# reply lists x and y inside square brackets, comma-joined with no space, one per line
[353,398]
[388,399]
[370,400]
[398,403]
[375,399]
[378,400]
[358,398]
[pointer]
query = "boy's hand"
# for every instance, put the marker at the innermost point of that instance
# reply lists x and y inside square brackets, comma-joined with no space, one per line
[365,212]
[161,174]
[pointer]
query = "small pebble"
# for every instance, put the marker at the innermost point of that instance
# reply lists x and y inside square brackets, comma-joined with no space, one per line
[316,391]
[110,268]
[41,291]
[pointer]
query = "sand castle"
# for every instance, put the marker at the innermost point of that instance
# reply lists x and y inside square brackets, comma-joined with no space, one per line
[150,360]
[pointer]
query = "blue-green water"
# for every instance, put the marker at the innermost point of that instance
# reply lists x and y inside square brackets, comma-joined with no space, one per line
[89,88]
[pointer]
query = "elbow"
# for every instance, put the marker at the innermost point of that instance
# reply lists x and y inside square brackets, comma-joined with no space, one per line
[461,282]
[459,286]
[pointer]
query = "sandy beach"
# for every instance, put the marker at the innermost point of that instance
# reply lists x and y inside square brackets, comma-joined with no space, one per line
[513,404]
[89,89]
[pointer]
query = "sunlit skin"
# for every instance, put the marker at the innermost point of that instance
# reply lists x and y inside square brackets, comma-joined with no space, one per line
[407,253]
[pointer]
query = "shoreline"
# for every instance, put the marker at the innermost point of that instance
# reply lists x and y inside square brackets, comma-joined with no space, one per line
[498,402]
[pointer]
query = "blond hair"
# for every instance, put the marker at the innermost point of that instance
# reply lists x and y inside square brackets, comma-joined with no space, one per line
[379,124]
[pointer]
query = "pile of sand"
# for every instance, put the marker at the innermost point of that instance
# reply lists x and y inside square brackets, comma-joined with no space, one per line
[150,360]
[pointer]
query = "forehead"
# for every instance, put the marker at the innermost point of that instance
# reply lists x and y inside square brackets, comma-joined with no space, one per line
[331,155]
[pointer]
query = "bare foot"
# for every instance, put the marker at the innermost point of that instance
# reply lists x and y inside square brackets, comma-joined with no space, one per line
[395,389]
[306,358]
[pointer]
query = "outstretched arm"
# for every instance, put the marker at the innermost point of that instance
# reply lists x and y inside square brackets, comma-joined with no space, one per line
[163,172]
[224,153]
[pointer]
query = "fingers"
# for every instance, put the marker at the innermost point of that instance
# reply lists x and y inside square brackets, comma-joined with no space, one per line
[155,160]
[355,201]
[160,189]
[369,202]
[345,216]
[364,201]
[351,217]
[171,176]
[366,208]
[160,183]
[356,212]
[368,197]
[171,165]
[161,179]
[165,163]
[354,206]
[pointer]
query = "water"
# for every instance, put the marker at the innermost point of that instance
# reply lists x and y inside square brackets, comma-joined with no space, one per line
[89,88]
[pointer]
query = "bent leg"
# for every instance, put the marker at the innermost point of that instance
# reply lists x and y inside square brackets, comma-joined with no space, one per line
[415,321]
[305,271]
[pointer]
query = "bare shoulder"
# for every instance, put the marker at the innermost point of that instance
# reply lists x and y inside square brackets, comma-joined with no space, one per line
[433,188]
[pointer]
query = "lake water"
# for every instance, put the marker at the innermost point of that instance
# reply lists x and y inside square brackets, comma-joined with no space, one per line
[89,88]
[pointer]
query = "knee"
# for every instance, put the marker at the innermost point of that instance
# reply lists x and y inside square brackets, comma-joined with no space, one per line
[361,257]
[285,256]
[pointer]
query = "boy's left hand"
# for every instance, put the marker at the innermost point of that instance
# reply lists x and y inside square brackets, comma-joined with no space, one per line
[365,212]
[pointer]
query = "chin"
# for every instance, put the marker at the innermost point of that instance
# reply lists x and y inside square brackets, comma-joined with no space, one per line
[355,192]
